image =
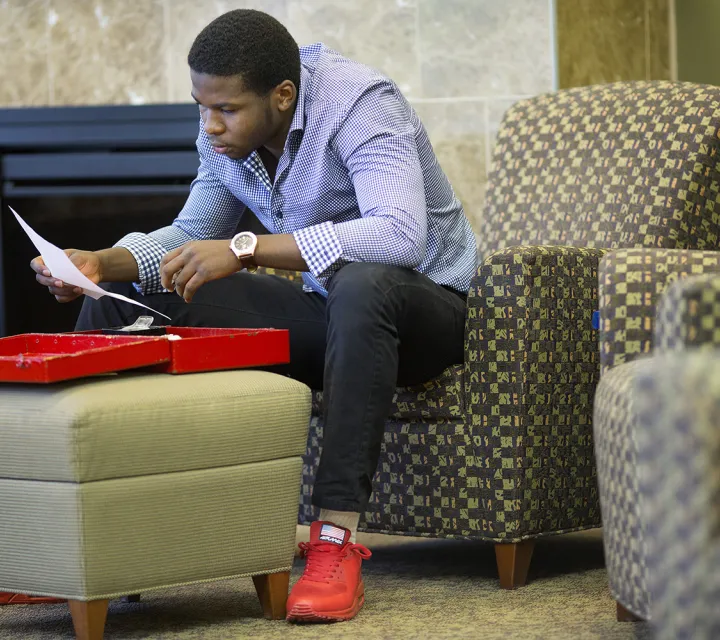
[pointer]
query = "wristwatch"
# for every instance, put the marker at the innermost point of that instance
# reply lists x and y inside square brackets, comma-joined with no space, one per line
[243,246]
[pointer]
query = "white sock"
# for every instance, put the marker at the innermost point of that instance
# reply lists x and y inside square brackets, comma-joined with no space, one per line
[346,519]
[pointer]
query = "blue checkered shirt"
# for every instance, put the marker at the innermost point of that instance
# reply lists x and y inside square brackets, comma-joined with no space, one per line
[358,181]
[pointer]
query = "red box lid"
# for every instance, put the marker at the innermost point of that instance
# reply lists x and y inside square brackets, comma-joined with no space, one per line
[52,357]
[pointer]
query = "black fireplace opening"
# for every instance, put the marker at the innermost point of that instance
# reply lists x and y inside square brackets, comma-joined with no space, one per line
[76,222]
[83,177]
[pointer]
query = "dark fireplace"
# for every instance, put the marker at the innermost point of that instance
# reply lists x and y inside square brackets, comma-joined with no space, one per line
[83,177]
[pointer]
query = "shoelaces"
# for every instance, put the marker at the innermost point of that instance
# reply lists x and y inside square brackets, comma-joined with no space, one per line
[323,559]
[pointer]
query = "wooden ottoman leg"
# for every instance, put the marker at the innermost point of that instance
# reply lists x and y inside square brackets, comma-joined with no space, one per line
[88,618]
[623,615]
[513,562]
[272,590]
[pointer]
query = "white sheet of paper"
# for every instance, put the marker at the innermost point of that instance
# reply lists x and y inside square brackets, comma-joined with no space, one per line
[62,268]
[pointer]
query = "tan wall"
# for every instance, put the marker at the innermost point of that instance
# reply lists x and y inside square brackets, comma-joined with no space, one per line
[611,40]
[698,44]
[461,62]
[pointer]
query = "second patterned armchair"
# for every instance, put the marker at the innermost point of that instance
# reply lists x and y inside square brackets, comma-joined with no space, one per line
[656,419]
[499,448]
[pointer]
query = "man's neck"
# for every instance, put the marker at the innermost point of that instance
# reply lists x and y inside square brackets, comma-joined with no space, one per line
[276,146]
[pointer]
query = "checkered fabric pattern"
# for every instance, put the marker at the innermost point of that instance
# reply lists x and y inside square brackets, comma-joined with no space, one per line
[426,483]
[511,455]
[678,405]
[689,315]
[632,282]
[358,181]
[621,165]
[654,425]
[425,449]
[616,451]
[530,374]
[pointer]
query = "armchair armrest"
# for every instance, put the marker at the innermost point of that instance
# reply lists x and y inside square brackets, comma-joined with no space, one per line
[678,446]
[688,315]
[290,275]
[632,282]
[531,366]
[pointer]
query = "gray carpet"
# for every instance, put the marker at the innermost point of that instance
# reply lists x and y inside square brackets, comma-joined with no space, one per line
[415,588]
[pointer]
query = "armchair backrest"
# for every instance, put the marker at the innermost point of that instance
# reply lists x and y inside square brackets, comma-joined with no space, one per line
[631,164]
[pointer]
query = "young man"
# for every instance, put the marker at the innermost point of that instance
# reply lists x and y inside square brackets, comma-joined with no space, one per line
[336,165]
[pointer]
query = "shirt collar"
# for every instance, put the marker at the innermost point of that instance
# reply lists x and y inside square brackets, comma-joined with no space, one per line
[253,162]
[298,121]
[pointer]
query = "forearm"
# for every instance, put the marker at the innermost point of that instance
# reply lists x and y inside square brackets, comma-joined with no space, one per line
[118,265]
[279,251]
[395,238]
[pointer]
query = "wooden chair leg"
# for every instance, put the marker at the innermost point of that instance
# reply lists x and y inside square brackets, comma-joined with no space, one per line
[513,561]
[88,618]
[623,615]
[272,590]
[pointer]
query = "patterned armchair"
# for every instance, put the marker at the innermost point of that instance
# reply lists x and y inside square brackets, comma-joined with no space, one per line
[499,448]
[658,445]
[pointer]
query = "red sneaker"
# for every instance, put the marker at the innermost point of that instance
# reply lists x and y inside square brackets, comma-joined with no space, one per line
[331,588]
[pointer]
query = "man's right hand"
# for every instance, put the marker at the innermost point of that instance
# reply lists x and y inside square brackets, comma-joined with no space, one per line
[88,262]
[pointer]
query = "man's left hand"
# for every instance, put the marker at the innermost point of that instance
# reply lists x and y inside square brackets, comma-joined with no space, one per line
[187,268]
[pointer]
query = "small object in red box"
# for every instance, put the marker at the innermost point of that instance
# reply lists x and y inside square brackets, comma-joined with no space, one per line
[141,327]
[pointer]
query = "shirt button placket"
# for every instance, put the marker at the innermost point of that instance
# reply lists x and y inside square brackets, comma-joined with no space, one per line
[276,207]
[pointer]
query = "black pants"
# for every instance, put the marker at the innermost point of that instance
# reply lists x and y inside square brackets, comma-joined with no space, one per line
[379,327]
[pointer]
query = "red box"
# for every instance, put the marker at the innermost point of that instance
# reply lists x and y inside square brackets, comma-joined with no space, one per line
[208,349]
[52,357]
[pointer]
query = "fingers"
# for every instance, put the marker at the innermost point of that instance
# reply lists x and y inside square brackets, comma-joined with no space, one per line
[69,298]
[65,293]
[171,255]
[187,281]
[190,289]
[38,266]
[180,279]
[169,266]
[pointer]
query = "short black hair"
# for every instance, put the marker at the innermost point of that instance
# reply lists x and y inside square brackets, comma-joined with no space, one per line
[248,43]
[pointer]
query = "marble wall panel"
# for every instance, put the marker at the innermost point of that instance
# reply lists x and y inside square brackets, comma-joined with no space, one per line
[105,51]
[186,19]
[24,53]
[458,134]
[379,33]
[459,61]
[603,41]
[658,32]
[485,47]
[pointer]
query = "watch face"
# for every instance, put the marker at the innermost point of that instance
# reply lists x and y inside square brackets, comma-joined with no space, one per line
[243,243]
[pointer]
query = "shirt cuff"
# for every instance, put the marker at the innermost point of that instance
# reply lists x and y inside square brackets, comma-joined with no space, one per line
[147,253]
[320,248]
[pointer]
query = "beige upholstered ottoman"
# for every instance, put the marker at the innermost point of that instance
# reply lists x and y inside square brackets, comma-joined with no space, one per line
[116,485]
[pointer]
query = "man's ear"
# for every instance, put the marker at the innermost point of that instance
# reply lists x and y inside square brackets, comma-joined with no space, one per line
[285,94]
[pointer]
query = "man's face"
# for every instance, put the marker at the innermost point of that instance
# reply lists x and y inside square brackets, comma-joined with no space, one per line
[237,121]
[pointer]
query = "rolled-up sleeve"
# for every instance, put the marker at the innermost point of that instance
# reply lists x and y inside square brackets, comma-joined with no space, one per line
[376,142]
[211,212]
